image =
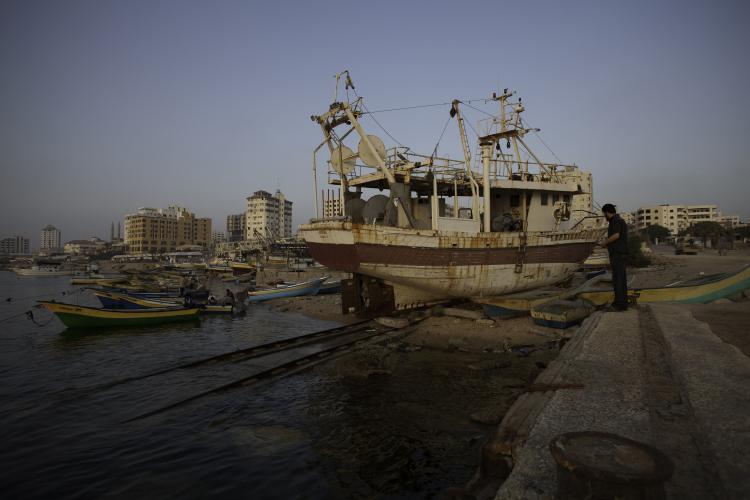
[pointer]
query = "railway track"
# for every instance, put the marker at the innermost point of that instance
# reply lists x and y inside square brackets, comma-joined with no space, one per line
[272,360]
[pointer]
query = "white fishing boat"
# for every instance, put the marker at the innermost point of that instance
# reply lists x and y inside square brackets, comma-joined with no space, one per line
[447,228]
[42,271]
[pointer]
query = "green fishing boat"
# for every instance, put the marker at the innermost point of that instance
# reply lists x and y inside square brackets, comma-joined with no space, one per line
[75,316]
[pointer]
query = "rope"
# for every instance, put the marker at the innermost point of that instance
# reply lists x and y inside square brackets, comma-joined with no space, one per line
[25,313]
[64,292]
[29,314]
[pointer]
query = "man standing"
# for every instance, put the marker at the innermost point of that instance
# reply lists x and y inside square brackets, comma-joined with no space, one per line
[617,246]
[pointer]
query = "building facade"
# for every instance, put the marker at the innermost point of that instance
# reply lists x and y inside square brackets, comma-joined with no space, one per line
[14,245]
[161,230]
[268,216]
[702,213]
[236,227]
[50,239]
[680,217]
[672,217]
[91,246]
[730,221]
[582,204]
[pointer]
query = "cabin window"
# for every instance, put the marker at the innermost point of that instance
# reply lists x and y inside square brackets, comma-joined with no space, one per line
[555,198]
[464,213]
[545,195]
[515,200]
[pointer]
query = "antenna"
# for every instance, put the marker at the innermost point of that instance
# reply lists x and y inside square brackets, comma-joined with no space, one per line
[364,152]
[343,160]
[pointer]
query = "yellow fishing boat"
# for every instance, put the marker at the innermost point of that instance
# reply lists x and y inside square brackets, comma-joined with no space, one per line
[75,316]
[701,291]
[698,291]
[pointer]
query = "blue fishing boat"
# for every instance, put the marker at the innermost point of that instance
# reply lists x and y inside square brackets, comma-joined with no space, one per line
[114,300]
[330,287]
[282,291]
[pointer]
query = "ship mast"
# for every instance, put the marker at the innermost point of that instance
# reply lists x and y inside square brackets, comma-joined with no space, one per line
[456,112]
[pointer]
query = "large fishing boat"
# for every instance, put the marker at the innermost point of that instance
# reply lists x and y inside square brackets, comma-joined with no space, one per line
[446,228]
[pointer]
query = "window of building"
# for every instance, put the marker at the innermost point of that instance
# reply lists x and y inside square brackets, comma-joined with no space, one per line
[515,200]
[544,197]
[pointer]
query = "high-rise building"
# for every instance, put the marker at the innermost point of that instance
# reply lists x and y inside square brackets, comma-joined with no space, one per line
[268,216]
[50,239]
[218,237]
[14,245]
[236,227]
[159,230]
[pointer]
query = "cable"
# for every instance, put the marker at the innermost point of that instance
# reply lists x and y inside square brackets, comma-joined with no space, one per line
[477,109]
[434,151]
[423,106]
[379,125]
[542,141]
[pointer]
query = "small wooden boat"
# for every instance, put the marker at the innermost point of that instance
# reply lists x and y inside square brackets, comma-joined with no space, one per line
[41,271]
[295,290]
[75,316]
[330,287]
[97,280]
[561,313]
[142,293]
[518,304]
[114,300]
[239,268]
[699,291]
[216,309]
[118,301]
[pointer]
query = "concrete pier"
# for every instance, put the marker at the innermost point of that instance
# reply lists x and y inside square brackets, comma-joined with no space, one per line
[652,374]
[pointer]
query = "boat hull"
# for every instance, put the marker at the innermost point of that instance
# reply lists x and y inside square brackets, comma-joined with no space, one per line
[113,300]
[36,273]
[74,316]
[685,294]
[298,290]
[427,266]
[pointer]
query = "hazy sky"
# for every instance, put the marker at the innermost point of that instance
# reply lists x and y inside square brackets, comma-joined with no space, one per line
[109,106]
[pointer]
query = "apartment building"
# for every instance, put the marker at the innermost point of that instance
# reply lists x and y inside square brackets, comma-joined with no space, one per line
[92,246]
[50,239]
[702,213]
[269,216]
[160,230]
[236,227]
[14,245]
[679,217]
[672,217]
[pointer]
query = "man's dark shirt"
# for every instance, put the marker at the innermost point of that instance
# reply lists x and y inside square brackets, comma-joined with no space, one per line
[620,245]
